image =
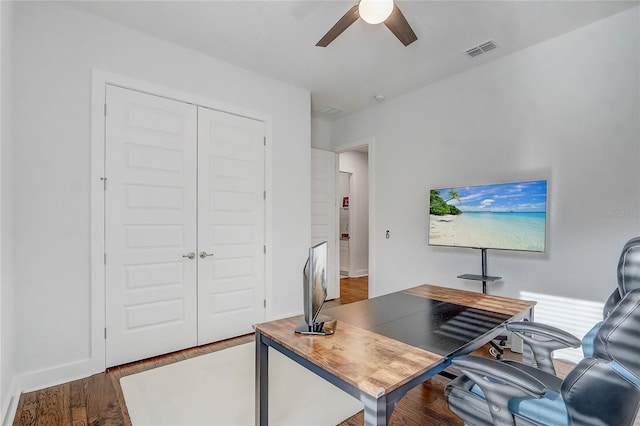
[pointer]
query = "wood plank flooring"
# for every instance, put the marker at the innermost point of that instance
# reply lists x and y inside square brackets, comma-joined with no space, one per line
[353,289]
[98,400]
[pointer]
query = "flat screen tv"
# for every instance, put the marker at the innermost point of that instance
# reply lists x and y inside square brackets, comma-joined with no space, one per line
[503,216]
[314,292]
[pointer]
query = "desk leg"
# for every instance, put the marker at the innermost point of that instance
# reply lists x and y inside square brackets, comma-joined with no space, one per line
[262,382]
[376,411]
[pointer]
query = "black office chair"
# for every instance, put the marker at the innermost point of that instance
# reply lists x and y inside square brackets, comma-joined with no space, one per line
[603,389]
[543,339]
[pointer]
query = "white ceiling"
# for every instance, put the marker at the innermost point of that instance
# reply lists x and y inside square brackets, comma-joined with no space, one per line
[277,39]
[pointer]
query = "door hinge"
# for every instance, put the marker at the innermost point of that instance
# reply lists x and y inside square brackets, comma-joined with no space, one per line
[105,109]
[264,303]
[105,333]
[105,258]
[264,249]
[264,195]
[265,141]
[104,182]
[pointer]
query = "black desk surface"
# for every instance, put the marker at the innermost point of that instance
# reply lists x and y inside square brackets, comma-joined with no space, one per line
[443,328]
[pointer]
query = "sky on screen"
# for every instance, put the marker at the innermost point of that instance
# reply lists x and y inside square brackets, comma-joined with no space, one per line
[504,197]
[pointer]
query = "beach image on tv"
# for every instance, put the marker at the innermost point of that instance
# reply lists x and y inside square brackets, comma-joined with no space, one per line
[509,216]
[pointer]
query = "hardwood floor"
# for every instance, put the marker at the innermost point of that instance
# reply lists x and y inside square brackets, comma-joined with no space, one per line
[98,400]
[352,290]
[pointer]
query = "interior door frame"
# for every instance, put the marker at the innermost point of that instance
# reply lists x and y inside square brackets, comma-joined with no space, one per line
[99,80]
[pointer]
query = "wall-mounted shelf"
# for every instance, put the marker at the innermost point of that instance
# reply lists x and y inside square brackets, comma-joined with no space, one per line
[473,277]
[484,277]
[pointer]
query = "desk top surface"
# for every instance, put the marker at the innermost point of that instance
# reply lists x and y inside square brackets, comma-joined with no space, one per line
[384,342]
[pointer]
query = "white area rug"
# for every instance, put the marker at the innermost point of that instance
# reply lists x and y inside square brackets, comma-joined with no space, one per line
[219,389]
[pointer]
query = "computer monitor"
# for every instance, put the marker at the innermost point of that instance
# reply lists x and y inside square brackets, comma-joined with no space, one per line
[314,292]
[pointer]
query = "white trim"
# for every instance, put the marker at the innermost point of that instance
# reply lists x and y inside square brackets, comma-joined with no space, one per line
[99,79]
[361,273]
[53,376]
[370,142]
[268,219]
[41,379]
[97,352]
[10,405]
[336,221]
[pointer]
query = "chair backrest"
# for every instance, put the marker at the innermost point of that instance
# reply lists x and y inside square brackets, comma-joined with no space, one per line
[605,389]
[618,339]
[628,274]
[629,267]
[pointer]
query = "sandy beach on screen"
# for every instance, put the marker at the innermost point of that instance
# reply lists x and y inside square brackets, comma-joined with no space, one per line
[515,231]
[442,229]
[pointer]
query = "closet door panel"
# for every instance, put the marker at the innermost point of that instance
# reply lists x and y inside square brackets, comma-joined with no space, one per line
[231,265]
[150,223]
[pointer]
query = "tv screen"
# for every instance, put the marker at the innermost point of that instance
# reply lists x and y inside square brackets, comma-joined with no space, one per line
[504,216]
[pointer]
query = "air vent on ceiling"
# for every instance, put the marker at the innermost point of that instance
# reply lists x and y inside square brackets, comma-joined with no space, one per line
[331,110]
[481,48]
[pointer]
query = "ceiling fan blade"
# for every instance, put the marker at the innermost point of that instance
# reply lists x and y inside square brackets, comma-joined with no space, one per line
[349,18]
[399,26]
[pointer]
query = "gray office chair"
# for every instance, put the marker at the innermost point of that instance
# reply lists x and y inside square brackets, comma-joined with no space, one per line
[603,389]
[543,339]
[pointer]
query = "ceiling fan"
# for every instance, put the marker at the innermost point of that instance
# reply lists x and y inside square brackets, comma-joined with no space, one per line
[373,12]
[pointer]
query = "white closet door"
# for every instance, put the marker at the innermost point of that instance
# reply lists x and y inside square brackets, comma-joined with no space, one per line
[150,222]
[230,225]
[324,212]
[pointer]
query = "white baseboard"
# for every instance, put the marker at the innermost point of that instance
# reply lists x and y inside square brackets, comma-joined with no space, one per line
[10,405]
[356,274]
[57,375]
[45,378]
[360,273]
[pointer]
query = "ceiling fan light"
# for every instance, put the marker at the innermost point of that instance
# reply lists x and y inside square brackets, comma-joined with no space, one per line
[375,11]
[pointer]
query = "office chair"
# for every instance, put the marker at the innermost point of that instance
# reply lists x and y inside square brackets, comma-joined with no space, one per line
[543,339]
[603,389]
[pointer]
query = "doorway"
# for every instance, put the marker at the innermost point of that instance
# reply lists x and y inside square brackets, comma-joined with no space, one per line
[353,206]
[344,190]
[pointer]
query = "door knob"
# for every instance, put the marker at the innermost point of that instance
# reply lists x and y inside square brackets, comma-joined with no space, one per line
[204,254]
[190,255]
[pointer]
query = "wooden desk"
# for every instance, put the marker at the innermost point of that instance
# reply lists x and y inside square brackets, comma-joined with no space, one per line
[369,357]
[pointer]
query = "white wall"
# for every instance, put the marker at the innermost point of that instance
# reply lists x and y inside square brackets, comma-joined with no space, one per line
[566,110]
[7,332]
[55,49]
[356,163]
[321,134]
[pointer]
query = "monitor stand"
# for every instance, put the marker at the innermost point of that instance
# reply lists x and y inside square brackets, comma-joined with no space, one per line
[322,326]
[498,349]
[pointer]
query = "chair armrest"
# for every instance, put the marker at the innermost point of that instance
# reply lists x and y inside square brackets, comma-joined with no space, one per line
[550,332]
[499,383]
[502,372]
[543,339]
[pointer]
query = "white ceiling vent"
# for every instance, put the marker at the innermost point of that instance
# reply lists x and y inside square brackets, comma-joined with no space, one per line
[481,48]
[331,110]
